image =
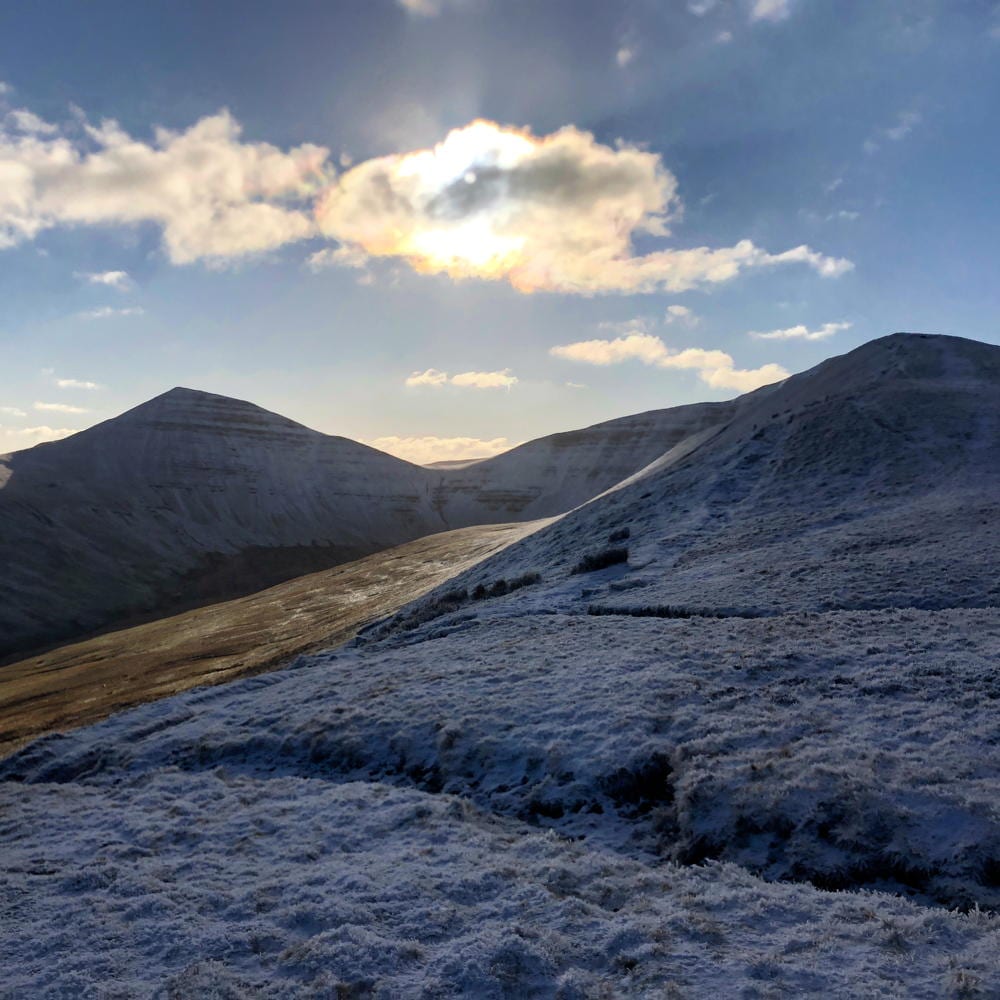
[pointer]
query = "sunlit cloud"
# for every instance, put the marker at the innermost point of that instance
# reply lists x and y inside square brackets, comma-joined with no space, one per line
[12,411]
[470,380]
[428,449]
[75,383]
[118,280]
[59,408]
[802,332]
[213,195]
[18,438]
[715,368]
[624,56]
[556,213]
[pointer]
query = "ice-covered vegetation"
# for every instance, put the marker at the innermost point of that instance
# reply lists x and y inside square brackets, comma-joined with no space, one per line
[757,759]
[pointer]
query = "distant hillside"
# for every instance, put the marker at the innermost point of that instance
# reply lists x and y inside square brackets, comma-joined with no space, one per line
[193,497]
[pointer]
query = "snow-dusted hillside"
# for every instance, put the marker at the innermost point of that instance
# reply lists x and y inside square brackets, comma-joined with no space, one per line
[194,497]
[590,783]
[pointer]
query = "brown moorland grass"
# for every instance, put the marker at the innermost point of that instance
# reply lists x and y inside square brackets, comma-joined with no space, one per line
[81,683]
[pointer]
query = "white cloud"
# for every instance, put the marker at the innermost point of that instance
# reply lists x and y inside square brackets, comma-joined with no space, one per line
[74,383]
[60,408]
[431,377]
[681,314]
[119,280]
[471,380]
[18,438]
[428,449]
[26,121]
[624,56]
[12,411]
[723,38]
[557,212]
[715,368]
[213,195]
[575,385]
[485,380]
[109,312]
[701,7]
[802,332]
[770,10]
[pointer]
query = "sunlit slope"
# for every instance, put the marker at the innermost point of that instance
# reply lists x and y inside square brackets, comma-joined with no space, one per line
[83,682]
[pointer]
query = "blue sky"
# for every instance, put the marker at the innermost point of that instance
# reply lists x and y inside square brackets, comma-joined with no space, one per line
[225,196]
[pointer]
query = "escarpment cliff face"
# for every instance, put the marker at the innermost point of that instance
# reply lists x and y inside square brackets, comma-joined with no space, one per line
[194,497]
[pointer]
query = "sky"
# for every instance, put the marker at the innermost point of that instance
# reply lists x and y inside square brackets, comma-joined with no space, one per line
[444,227]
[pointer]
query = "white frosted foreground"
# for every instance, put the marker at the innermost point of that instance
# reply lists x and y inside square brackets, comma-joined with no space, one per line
[549,779]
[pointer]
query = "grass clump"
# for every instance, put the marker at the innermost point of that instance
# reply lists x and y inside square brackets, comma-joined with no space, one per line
[595,561]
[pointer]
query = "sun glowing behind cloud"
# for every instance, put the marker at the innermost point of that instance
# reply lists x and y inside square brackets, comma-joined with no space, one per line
[558,212]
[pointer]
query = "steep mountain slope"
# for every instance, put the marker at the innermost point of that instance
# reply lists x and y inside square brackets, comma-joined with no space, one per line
[193,497]
[872,480]
[187,497]
[557,473]
[502,791]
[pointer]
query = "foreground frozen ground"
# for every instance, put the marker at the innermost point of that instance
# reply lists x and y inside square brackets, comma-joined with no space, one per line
[728,731]
[494,812]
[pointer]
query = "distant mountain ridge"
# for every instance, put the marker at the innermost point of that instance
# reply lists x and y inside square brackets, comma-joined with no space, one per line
[193,497]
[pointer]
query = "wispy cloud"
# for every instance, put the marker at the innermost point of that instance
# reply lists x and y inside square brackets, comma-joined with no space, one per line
[770,10]
[906,122]
[715,368]
[681,315]
[802,332]
[12,411]
[60,408]
[109,312]
[431,8]
[75,383]
[553,213]
[625,55]
[119,280]
[22,120]
[427,449]
[470,380]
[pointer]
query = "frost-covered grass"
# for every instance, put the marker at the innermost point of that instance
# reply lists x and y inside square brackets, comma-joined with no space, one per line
[220,884]
[510,797]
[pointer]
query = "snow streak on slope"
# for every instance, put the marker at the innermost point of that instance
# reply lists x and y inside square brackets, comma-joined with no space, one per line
[502,793]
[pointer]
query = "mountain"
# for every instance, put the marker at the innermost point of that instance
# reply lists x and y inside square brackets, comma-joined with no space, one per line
[857,484]
[193,497]
[726,730]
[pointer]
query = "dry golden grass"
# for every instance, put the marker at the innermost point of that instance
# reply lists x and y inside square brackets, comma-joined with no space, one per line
[84,682]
